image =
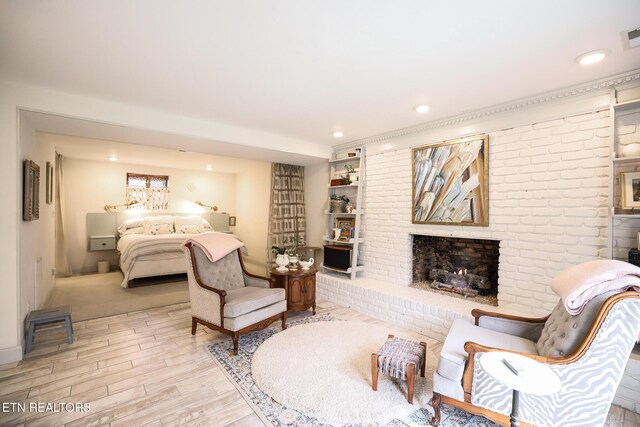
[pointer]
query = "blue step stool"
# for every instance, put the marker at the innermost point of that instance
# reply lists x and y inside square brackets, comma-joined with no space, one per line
[48,317]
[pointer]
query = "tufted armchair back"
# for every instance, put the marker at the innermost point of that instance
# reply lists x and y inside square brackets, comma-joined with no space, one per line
[563,333]
[225,273]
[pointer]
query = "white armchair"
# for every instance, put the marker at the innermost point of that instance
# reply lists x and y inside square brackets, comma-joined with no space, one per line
[588,352]
[226,298]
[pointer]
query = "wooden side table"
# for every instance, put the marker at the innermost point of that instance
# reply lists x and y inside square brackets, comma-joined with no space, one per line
[299,286]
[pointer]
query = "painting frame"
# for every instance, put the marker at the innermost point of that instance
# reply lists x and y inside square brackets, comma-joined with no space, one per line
[345,223]
[31,191]
[630,196]
[450,182]
[49,187]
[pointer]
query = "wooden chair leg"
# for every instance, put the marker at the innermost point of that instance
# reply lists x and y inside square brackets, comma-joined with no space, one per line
[235,338]
[424,362]
[374,371]
[411,379]
[284,320]
[194,325]
[436,402]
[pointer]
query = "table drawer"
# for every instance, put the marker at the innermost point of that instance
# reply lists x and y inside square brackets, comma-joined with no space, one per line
[102,243]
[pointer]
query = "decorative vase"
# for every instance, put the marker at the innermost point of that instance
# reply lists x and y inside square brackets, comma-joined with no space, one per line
[282,260]
[339,206]
[336,233]
[306,264]
[631,150]
[293,261]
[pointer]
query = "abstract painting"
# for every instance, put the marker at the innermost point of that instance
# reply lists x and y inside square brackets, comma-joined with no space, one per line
[451,182]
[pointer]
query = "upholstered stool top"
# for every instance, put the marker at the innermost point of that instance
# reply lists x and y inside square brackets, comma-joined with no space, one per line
[396,354]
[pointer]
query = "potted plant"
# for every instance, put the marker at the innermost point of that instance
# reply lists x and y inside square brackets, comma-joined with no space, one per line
[339,203]
[346,178]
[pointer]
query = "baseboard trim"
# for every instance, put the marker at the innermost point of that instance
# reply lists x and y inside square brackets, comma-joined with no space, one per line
[10,355]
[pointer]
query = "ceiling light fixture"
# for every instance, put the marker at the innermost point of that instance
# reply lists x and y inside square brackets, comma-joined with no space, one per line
[209,168]
[338,134]
[113,158]
[592,57]
[421,108]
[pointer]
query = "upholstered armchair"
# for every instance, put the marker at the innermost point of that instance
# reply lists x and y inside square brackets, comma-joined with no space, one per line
[226,298]
[588,352]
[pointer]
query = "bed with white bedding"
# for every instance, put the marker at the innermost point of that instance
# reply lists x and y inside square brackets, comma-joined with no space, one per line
[152,246]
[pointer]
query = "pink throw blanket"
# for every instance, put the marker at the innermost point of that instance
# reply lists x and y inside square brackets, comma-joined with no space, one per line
[577,285]
[215,245]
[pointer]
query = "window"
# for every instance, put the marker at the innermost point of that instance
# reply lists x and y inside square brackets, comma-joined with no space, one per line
[150,191]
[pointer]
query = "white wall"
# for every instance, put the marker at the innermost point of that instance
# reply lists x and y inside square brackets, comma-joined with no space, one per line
[37,238]
[89,185]
[253,187]
[316,196]
[548,185]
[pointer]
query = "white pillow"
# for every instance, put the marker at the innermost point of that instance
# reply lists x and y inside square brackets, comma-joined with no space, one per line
[134,230]
[130,223]
[188,229]
[156,229]
[187,220]
[160,219]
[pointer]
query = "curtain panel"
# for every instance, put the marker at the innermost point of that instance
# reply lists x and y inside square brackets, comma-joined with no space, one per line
[287,216]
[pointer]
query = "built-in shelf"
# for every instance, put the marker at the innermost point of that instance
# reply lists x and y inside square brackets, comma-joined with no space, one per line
[343,186]
[348,222]
[345,159]
[623,160]
[626,105]
[353,212]
[347,242]
[347,271]
[618,236]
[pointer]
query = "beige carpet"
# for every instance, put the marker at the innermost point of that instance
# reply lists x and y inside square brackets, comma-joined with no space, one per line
[100,295]
[324,369]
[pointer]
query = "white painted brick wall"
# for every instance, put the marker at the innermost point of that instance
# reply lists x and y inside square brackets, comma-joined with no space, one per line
[548,186]
[548,189]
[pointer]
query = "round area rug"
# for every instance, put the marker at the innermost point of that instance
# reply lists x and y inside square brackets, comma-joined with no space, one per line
[324,369]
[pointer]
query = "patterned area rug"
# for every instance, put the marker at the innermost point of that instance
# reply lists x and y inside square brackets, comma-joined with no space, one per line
[238,369]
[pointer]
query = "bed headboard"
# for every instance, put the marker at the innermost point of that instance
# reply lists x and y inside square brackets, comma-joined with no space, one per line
[218,220]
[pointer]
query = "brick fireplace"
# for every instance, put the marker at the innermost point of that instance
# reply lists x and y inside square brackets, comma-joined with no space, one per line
[460,267]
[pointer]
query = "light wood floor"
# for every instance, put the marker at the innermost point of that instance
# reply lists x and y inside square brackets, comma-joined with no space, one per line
[145,368]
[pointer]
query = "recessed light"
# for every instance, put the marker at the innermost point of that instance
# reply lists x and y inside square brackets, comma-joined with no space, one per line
[113,158]
[209,167]
[592,57]
[421,108]
[338,134]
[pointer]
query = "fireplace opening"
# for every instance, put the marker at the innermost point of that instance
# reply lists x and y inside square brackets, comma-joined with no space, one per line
[462,268]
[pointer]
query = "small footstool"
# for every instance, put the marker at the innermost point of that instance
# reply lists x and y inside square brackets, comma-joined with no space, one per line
[48,317]
[400,359]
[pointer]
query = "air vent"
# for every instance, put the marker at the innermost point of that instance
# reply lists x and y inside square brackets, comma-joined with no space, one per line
[631,39]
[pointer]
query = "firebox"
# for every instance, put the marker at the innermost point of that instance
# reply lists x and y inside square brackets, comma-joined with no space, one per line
[459,266]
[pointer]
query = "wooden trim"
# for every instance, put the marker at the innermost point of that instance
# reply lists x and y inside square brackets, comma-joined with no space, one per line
[221,293]
[271,280]
[483,412]
[477,313]
[263,324]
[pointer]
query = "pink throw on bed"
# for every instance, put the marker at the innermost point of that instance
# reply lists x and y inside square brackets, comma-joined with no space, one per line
[215,245]
[578,284]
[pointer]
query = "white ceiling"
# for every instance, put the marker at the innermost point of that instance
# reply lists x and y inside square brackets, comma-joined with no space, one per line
[304,68]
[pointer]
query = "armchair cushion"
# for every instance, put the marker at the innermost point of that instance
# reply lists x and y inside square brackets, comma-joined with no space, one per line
[244,300]
[453,356]
[224,274]
[253,317]
[563,333]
